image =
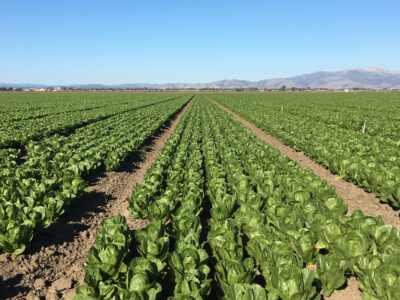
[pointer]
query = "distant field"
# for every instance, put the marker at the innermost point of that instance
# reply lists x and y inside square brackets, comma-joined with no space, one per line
[26,117]
[219,213]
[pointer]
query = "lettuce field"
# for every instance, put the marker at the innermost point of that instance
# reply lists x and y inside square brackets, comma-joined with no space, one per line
[219,213]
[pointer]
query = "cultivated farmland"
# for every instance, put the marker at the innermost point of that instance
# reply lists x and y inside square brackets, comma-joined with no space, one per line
[156,196]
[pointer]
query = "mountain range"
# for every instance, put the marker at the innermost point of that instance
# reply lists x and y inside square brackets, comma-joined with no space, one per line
[371,78]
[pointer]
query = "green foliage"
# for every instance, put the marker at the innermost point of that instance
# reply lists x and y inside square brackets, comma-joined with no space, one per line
[244,291]
[291,282]
[63,149]
[331,271]
[268,220]
[327,128]
[152,241]
[231,271]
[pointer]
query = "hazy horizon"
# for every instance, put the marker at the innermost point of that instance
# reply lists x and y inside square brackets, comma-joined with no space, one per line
[182,82]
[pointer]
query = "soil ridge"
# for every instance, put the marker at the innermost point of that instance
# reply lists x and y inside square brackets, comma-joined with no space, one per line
[354,196]
[51,268]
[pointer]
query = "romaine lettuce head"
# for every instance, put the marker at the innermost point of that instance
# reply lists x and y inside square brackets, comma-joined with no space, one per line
[139,286]
[150,248]
[331,270]
[187,259]
[258,248]
[153,231]
[15,236]
[304,241]
[221,232]
[384,283]
[153,267]
[229,272]
[291,282]
[352,244]
[193,284]
[84,292]
[386,239]
[245,291]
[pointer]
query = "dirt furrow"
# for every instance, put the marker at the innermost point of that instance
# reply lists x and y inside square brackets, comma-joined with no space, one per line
[349,292]
[354,196]
[52,266]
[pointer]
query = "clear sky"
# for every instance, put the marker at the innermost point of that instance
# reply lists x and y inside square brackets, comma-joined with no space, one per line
[67,42]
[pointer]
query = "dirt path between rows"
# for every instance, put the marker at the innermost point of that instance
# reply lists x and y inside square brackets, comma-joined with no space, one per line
[52,266]
[354,196]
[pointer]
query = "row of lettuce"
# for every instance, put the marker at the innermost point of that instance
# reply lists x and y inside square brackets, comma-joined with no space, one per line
[232,218]
[37,191]
[344,110]
[25,106]
[17,128]
[370,161]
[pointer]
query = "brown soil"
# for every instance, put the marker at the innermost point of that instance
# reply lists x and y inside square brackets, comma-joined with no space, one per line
[52,266]
[354,196]
[349,292]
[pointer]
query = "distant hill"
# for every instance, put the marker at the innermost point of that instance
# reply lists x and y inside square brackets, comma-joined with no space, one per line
[362,78]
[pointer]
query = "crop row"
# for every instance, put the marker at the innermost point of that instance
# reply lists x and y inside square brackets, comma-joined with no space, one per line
[20,132]
[231,217]
[371,162]
[27,112]
[36,192]
[346,111]
[21,106]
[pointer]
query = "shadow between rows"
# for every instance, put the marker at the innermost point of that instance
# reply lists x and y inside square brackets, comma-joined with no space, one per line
[9,288]
[313,160]
[70,225]
[72,128]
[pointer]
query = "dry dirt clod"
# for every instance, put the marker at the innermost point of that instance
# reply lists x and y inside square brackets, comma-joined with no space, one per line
[61,284]
[51,295]
[39,284]
[32,296]
[68,295]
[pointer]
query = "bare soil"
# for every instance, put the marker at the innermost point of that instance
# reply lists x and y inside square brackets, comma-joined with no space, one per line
[52,266]
[349,292]
[354,196]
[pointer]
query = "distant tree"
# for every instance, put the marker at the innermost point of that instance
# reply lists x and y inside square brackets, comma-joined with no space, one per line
[283,87]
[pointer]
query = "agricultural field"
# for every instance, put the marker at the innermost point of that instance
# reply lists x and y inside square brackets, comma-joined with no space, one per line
[38,187]
[329,129]
[200,205]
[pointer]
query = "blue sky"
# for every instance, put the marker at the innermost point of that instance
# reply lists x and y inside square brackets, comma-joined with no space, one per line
[67,42]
